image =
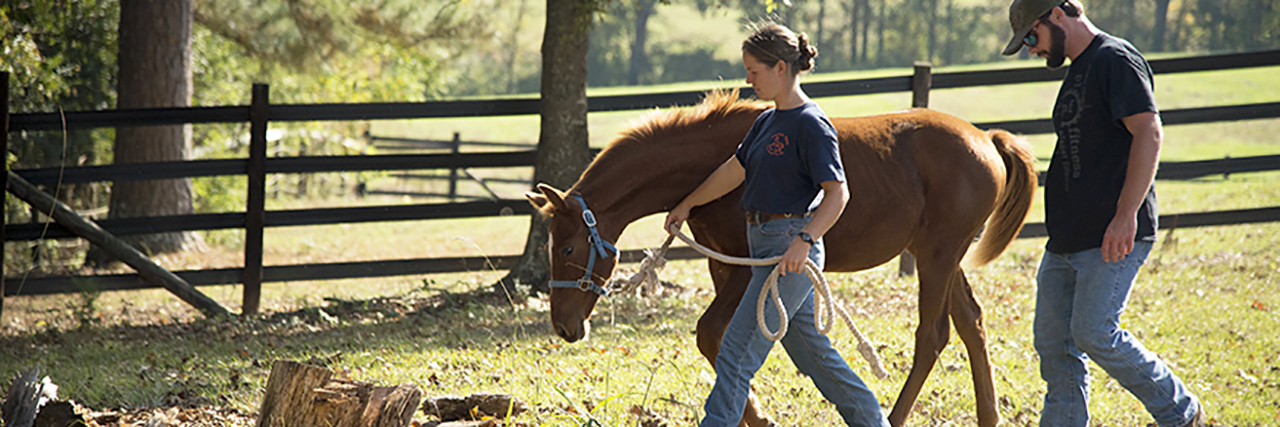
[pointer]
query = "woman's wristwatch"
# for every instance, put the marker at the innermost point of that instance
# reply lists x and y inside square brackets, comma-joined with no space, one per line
[805,237]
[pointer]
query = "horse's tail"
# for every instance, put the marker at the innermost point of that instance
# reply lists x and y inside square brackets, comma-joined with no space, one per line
[1014,202]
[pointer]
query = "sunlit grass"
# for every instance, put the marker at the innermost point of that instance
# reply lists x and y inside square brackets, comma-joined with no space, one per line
[1205,302]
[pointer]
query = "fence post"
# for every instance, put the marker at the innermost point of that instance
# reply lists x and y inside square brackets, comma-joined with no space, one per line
[921,81]
[4,181]
[453,172]
[255,217]
[302,177]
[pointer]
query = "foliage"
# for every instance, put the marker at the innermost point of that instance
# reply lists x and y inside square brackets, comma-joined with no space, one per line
[867,34]
[316,51]
[61,57]
[346,52]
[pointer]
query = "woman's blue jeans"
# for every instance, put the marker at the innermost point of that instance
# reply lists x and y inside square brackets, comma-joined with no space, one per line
[1078,305]
[744,348]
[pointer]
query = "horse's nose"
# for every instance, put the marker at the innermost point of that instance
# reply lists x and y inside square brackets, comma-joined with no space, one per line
[570,334]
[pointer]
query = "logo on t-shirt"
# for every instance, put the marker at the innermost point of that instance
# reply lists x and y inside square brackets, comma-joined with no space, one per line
[779,144]
[1068,111]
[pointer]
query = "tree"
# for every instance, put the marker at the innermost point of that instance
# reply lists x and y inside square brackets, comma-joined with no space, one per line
[1157,32]
[562,139]
[60,57]
[513,47]
[154,60]
[639,58]
[322,51]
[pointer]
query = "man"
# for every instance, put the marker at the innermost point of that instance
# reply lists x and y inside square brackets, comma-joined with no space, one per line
[1100,211]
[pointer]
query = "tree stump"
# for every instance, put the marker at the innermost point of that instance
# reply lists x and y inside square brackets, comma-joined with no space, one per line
[25,397]
[453,408]
[304,395]
[59,414]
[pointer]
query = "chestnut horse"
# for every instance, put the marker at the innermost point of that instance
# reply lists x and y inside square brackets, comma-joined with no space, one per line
[918,180]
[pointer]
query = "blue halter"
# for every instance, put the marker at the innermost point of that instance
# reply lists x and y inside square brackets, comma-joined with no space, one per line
[598,246]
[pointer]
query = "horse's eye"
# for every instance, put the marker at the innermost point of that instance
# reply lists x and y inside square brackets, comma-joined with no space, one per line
[568,251]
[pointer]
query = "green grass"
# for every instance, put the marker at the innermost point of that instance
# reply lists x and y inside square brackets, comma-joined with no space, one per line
[1206,302]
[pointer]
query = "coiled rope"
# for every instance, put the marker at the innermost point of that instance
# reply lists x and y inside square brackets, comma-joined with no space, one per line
[823,300]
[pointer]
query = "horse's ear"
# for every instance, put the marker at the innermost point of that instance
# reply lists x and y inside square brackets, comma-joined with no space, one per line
[554,196]
[547,200]
[536,199]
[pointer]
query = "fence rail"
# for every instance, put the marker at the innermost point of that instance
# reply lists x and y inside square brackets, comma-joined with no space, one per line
[523,106]
[284,218]
[261,112]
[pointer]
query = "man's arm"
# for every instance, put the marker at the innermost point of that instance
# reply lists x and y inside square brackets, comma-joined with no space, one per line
[1144,155]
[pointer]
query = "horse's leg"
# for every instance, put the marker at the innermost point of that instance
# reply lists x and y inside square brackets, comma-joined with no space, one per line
[966,313]
[932,333]
[731,282]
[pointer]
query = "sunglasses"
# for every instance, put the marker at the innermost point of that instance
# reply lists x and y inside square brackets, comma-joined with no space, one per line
[1030,39]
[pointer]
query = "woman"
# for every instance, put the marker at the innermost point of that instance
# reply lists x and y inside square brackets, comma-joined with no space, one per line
[794,191]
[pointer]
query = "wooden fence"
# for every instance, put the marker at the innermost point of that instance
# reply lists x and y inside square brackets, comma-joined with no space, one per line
[453,146]
[261,112]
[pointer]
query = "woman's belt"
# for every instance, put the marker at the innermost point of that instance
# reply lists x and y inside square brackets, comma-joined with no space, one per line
[757,217]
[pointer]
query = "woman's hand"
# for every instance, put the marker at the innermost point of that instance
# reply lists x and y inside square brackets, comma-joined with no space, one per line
[721,182]
[676,217]
[794,259]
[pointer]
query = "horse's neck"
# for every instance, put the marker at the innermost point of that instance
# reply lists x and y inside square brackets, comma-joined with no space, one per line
[656,176]
[615,208]
[658,185]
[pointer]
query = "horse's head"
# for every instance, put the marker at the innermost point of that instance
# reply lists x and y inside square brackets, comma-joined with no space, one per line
[581,262]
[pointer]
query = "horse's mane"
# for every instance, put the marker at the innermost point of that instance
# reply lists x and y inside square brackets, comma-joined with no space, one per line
[658,123]
[668,126]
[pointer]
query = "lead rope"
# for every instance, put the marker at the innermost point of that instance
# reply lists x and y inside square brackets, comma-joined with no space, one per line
[647,274]
[822,298]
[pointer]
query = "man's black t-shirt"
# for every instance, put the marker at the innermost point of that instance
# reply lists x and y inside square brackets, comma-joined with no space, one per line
[1107,82]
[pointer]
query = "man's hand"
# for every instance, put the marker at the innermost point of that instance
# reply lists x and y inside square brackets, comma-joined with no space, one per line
[1118,240]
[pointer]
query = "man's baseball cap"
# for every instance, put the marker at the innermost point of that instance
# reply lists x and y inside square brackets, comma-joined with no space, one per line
[1022,15]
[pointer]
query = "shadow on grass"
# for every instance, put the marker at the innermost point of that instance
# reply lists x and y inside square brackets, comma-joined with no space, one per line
[226,362]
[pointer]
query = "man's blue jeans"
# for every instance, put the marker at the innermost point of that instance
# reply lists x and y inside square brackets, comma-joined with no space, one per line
[1078,304]
[744,348]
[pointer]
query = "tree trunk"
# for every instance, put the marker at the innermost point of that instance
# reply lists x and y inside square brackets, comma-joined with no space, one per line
[1255,25]
[931,45]
[865,17]
[1158,31]
[880,21]
[514,47]
[562,140]
[822,17]
[853,10]
[639,58]
[1173,41]
[155,71]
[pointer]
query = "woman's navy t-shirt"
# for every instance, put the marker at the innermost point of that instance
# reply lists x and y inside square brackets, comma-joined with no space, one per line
[787,155]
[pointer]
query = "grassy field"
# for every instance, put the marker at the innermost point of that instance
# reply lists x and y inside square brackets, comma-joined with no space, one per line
[1206,302]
